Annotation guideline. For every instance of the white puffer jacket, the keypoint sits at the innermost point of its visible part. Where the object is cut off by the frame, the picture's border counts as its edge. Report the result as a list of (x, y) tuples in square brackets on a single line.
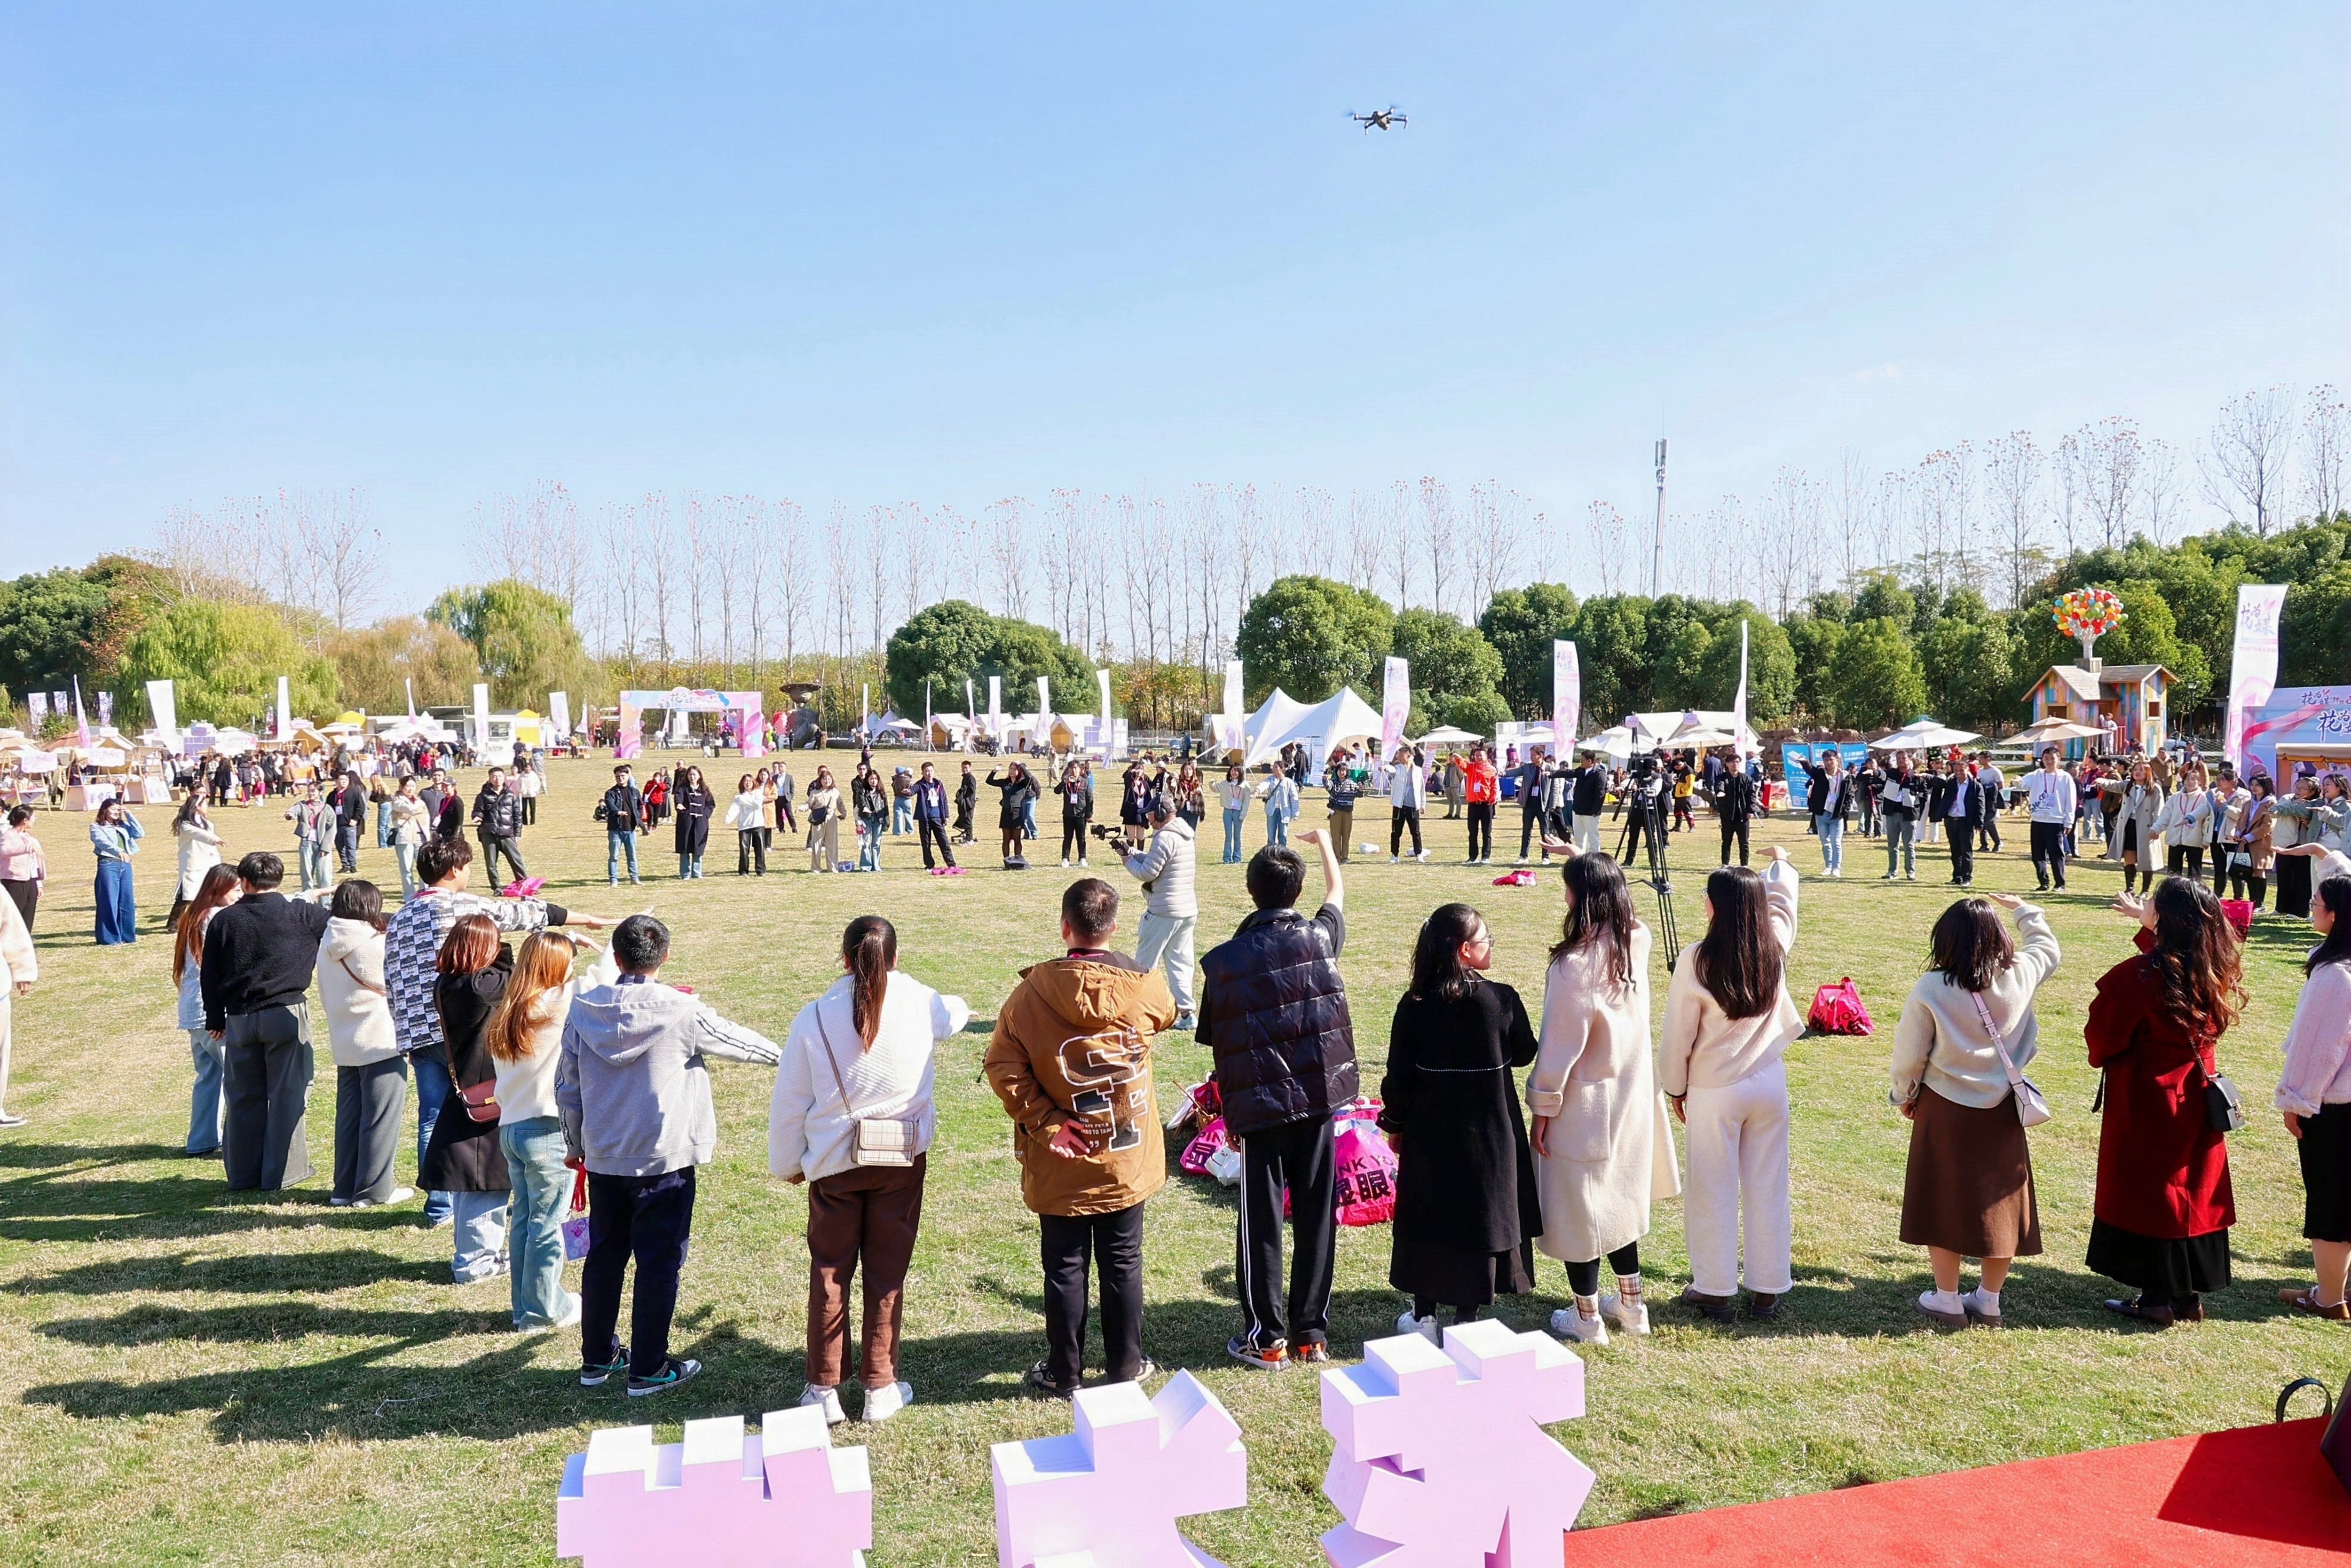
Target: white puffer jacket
[(360, 1032)]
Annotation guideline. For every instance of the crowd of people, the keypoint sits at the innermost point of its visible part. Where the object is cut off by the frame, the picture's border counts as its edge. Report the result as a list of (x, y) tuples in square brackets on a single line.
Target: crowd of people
[(554, 1066)]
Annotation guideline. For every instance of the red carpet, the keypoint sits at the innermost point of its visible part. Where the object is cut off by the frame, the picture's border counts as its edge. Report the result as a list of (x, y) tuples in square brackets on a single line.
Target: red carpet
[(2259, 1495)]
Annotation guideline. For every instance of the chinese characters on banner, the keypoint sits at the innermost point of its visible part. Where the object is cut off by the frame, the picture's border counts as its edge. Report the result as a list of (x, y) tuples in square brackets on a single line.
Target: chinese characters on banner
[(1566, 697), (1396, 703), (2253, 666)]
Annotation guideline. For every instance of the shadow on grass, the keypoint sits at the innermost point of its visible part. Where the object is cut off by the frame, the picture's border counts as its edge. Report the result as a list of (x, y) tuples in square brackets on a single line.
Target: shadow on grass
[(62, 1199), (248, 1274)]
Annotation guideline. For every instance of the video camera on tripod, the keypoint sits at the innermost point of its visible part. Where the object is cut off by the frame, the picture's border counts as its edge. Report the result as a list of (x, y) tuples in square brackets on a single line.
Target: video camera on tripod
[(1645, 823)]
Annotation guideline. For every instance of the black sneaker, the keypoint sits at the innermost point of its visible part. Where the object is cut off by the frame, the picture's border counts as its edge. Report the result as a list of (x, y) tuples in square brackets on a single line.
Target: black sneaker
[(1040, 1380), (593, 1373), (672, 1373)]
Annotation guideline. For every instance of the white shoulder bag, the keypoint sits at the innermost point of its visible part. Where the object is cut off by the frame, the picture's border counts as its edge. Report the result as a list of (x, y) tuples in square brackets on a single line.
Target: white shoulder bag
[(2031, 1109), (873, 1141)]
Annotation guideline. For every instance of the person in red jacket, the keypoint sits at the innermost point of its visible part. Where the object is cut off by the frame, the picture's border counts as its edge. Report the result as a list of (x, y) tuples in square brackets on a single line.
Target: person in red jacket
[(2164, 1205), (1479, 787)]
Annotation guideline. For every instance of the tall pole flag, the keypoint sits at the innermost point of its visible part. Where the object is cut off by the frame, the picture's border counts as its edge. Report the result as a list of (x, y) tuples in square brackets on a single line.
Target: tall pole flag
[(1738, 709), (2253, 666), (163, 706), (81, 719), (481, 711), (1229, 734), (1566, 697), (1396, 705), (286, 707), (1044, 712), (865, 709), (996, 707), (926, 713), (970, 708), (408, 684)]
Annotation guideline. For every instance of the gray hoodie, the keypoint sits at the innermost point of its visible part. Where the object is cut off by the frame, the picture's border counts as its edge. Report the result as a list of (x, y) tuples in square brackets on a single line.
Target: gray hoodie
[(1165, 868), (630, 1085)]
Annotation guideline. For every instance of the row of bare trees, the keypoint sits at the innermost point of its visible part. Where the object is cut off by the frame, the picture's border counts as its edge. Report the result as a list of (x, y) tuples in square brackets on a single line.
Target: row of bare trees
[(313, 550)]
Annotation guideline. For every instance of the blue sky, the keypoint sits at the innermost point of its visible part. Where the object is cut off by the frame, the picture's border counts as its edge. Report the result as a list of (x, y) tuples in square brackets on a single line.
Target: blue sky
[(949, 254)]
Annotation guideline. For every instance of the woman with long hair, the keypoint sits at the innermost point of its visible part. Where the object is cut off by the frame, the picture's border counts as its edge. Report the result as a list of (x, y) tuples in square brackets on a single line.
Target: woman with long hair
[(218, 889), (2186, 823), (695, 806), (1467, 1208), (409, 823), (199, 852), (371, 1074), (463, 1159), (824, 822), (2314, 1093), (114, 839), (1604, 1149), (1967, 1031), (852, 1117), (523, 1039), (872, 799), (1077, 792), (1020, 792), (1729, 1021), (2292, 827), (747, 813), (2132, 836), (1233, 798), (1191, 798), (23, 866), (2164, 1204), (2252, 848)]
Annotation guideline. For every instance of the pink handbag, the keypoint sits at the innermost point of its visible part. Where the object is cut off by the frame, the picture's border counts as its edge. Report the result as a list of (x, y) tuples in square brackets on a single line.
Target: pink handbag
[(1837, 1009)]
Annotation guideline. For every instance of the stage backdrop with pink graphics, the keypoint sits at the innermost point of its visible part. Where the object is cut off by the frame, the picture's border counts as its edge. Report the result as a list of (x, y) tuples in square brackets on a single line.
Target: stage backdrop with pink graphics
[(746, 726), (2310, 724)]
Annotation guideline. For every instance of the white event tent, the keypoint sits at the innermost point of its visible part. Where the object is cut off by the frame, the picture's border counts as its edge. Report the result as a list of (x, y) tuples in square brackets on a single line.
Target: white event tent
[(1282, 719)]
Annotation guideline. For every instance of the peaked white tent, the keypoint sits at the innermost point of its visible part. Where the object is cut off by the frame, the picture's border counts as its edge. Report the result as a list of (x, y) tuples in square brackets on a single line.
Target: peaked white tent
[(1283, 720)]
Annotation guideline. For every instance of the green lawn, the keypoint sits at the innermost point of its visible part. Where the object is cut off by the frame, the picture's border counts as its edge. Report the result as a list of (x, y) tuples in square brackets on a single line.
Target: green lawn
[(192, 1375)]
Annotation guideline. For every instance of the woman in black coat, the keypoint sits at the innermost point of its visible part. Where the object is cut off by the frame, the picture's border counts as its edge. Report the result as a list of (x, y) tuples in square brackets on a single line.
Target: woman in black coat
[(463, 1158), (1018, 789), (1467, 1209), (695, 804)]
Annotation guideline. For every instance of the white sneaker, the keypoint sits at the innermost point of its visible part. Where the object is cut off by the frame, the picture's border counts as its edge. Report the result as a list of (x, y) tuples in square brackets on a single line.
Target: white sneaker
[(1520, 861), (1569, 1324), (1632, 1320), (881, 1403), (1425, 1327), (1065, 862), (829, 1398), (1082, 861), (1393, 859), (1421, 856)]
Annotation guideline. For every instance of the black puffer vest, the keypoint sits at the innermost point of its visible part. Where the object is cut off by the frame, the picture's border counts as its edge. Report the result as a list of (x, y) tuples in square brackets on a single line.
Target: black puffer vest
[(1285, 1048)]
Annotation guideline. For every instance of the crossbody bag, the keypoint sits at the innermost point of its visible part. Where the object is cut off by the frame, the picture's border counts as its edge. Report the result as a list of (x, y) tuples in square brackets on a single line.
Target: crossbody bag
[(2032, 1109), (873, 1140)]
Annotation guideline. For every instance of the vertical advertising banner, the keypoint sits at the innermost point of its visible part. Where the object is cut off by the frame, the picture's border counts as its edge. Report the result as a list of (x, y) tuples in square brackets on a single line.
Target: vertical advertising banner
[(1566, 697), (1396, 705), (37, 705), (286, 707), (559, 713), (1044, 711), (481, 714), (1739, 708), (1229, 732), (105, 710), (996, 707), (163, 707), (2253, 667)]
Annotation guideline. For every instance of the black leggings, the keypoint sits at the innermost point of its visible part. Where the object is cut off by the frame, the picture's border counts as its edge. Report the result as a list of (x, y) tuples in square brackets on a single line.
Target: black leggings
[(2186, 859), (1583, 1278), (1073, 837), (1399, 819)]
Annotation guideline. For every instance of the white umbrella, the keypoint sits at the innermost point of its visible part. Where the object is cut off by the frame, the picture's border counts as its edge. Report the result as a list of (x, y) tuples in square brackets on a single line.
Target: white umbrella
[(1922, 735), (2056, 729), (1615, 741), (1446, 734)]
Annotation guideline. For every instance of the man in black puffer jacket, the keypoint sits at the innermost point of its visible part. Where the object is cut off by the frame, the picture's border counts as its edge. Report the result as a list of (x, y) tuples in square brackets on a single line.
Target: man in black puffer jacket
[(1274, 1015), (498, 818)]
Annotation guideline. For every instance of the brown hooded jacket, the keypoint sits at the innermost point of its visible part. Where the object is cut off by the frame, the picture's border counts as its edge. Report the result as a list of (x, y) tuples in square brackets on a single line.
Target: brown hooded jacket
[(1073, 1043)]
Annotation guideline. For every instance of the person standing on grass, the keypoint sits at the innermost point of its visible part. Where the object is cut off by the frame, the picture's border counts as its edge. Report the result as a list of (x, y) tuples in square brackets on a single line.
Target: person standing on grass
[(497, 818), (872, 803), (463, 1159), (1532, 775), (1232, 800), (1281, 797), (1407, 797), (260, 953), (22, 867), (1274, 1017), (967, 800), (1479, 787), (1466, 1208), (1969, 1190), (1171, 911), (20, 965), (525, 1041), (1076, 791), (824, 809), (2131, 835), (860, 1055), (2185, 822), (1734, 808), (1070, 1059), (412, 952), (199, 850), (785, 790), (1828, 797), (1902, 801), (633, 1094), (622, 813), (1963, 807), (2164, 1202), (1018, 791), (351, 802), (2251, 849), (931, 817), (1603, 1150), (370, 1075), (2051, 795), (218, 887), (1729, 1022), (2314, 1093), (1342, 790), (1587, 797), (691, 798), (747, 813)]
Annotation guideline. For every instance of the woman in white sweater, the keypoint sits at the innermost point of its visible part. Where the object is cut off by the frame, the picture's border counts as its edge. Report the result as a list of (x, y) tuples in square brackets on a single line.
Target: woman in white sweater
[(1969, 1190), (1603, 1150), (199, 845), (860, 1053), (371, 1074), (748, 815), (1728, 1023), (524, 1038), (2185, 823)]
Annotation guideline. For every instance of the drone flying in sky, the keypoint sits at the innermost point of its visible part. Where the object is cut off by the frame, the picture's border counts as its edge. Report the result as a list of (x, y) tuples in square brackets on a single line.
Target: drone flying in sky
[(1386, 118)]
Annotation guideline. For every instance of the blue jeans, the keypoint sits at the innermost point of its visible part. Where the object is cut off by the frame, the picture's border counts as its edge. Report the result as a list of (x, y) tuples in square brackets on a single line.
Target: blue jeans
[(902, 815), (869, 843), (1028, 819), (383, 824), (433, 1090), (1277, 828), (1831, 832), (542, 1192), (1233, 820), (617, 842), (688, 867), (479, 1243), (205, 1102)]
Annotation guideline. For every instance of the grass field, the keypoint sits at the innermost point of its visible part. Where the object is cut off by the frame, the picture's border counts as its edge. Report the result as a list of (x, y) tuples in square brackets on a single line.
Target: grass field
[(188, 1375)]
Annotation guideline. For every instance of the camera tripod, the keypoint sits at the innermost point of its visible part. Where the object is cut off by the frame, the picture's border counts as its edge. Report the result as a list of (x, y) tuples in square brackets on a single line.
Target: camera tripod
[(1645, 819)]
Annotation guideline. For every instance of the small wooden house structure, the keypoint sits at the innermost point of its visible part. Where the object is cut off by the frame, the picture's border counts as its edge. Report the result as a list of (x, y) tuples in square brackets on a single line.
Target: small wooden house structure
[(2130, 702)]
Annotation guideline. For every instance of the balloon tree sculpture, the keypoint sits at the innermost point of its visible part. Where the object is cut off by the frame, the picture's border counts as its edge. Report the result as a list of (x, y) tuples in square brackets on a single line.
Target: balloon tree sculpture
[(2085, 615)]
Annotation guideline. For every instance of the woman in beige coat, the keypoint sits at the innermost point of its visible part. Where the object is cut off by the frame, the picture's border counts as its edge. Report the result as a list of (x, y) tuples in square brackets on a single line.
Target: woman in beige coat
[(1604, 1149)]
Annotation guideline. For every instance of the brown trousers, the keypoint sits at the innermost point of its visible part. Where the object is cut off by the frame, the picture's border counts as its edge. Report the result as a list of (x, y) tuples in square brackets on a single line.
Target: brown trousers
[(869, 1213), (1342, 832)]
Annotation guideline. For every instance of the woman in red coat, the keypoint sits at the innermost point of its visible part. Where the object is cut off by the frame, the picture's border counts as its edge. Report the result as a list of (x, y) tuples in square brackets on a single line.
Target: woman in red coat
[(2164, 1207)]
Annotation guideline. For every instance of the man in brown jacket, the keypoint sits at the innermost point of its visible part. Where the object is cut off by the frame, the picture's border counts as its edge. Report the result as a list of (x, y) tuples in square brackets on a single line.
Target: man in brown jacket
[(1070, 1059)]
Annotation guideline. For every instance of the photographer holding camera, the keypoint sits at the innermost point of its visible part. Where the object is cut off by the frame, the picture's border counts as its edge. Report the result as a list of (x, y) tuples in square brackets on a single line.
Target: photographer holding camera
[(1171, 912)]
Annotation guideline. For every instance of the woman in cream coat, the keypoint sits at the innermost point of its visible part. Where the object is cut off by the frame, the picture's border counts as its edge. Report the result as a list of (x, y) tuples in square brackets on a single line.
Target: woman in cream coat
[(2186, 823), (2133, 837), (1729, 1021), (1604, 1149), (371, 1074)]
